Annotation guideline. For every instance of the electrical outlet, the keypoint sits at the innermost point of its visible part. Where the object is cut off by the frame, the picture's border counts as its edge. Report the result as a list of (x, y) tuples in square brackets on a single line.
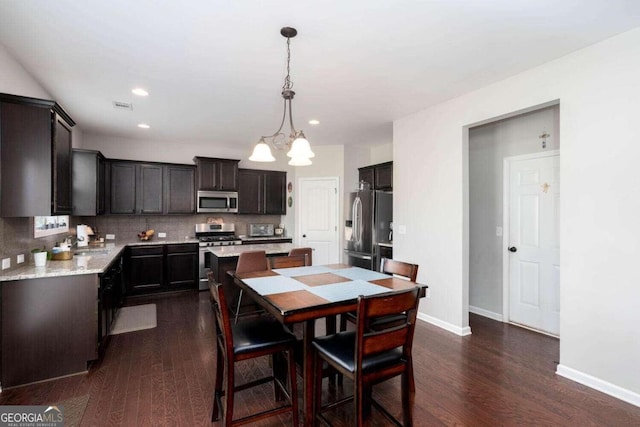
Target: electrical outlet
[(110, 237), (20, 259), (427, 293), (6, 263), (402, 229), (162, 235)]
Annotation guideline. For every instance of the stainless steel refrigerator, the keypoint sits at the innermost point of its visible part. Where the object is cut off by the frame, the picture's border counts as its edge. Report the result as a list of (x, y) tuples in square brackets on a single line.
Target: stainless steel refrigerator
[(369, 223)]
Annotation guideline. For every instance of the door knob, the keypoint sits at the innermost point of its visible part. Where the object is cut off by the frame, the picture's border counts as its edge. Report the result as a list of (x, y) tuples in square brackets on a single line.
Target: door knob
[(513, 249), (304, 235)]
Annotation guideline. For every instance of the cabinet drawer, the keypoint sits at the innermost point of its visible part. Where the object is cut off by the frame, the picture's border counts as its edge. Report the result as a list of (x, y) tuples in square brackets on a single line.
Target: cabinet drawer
[(182, 248), (146, 250)]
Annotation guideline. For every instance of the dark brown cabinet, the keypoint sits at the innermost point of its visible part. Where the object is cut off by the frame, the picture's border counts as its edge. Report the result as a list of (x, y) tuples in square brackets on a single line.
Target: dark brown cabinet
[(143, 269), (109, 301), (262, 192), (35, 158), (151, 188), (182, 266), (379, 177), (216, 174), (180, 189), (123, 188), (88, 180), (159, 268)]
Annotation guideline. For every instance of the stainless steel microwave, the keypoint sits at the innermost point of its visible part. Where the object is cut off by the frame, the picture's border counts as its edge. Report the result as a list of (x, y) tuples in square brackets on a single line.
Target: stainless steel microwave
[(217, 201)]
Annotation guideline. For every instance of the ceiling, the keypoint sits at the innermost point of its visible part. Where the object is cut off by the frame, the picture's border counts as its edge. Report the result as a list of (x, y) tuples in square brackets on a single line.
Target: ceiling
[(214, 69)]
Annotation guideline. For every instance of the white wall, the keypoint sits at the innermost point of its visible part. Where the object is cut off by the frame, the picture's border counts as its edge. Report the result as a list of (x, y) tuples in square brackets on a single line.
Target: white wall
[(489, 145), (15, 80), (599, 95)]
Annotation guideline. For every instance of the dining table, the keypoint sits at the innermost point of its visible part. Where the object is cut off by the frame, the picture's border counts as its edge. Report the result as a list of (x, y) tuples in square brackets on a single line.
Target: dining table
[(305, 294)]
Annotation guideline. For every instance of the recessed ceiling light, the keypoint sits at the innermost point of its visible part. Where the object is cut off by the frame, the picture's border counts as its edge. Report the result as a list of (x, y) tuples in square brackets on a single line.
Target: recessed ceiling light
[(143, 126), (139, 91), (314, 122)]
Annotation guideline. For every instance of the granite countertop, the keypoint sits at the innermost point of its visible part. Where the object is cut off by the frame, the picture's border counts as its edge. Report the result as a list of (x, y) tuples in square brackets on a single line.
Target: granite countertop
[(92, 259), (236, 250)]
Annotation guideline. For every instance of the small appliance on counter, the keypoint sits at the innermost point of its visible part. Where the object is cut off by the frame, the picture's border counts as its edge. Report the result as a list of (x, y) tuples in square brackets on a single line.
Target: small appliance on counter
[(82, 235), (261, 230)]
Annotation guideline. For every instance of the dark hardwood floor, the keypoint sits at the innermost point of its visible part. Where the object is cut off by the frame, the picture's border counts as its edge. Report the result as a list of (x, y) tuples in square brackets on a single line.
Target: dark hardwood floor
[(500, 375)]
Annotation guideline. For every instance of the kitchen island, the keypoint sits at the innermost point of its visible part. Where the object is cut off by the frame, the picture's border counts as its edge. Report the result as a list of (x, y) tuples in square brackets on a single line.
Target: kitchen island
[(222, 259)]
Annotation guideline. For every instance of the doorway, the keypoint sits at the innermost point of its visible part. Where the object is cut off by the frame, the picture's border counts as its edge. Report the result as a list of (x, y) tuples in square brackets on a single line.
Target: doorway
[(489, 144), (317, 213), (531, 263)]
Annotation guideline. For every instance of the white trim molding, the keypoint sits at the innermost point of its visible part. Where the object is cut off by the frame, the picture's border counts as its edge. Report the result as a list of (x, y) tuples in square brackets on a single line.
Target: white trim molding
[(445, 325), (485, 313), (600, 385)]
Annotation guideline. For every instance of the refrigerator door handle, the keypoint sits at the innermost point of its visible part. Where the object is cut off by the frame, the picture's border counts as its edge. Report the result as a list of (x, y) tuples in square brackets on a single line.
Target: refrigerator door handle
[(356, 212), (351, 254)]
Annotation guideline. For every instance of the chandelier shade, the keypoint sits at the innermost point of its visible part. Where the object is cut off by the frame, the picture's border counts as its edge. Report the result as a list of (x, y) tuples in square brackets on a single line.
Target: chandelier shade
[(262, 153), (298, 145)]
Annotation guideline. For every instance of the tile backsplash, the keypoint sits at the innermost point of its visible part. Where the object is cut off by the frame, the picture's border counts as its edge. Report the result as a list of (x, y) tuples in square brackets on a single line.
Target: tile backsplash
[(16, 234), (127, 227)]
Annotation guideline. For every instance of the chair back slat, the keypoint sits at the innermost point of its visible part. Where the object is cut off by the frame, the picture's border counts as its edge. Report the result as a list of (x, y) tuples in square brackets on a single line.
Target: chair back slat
[(251, 261), (378, 342), (388, 303), (288, 261), (303, 251), (399, 268)]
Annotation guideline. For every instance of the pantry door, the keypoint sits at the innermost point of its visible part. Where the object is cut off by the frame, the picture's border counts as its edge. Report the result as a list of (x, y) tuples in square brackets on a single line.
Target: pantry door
[(532, 245)]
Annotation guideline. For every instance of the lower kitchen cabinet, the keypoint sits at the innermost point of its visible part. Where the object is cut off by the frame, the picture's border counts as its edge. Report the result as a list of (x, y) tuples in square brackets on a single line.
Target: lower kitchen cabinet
[(110, 294), (48, 327), (182, 266), (159, 268)]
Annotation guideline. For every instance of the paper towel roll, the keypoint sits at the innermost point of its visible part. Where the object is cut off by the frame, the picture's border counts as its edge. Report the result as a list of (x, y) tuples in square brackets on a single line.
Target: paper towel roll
[(82, 235)]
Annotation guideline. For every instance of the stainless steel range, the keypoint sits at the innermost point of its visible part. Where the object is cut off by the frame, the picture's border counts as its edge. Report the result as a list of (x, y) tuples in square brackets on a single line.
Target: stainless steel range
[(212, 235)]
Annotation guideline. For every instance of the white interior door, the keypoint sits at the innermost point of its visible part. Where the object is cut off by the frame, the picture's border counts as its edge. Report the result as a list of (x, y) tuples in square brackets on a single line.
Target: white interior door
[(534, 249), (318, 218)]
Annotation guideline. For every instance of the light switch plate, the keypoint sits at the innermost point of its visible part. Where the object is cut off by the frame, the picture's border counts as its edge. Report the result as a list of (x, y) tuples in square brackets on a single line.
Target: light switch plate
[(6, 263), (498, 231), (20, 259), (162, 235), (110, 237)]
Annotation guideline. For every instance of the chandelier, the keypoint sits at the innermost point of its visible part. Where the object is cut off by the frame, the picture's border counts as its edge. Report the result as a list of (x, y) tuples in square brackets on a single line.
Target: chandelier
[(299, 149)]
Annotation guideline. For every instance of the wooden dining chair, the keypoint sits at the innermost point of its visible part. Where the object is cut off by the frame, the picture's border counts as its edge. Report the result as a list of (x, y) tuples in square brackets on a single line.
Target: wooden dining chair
[(262, 336), (288, 261), (370, 356), (397, 268), (303, 251), (249, 262), (393, 267)]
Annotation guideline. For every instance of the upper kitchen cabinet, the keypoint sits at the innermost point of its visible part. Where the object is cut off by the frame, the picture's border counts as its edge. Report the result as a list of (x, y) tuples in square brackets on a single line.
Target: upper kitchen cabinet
[(379, 177), (180, 191), (136, 188), (261, 192), (35, 157), (89, 180), (216, 174), (144, 188)]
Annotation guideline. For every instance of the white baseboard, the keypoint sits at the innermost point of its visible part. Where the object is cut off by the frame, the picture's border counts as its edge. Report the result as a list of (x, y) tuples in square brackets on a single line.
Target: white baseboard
[(486, 313), (600, 385), (445, 325)]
